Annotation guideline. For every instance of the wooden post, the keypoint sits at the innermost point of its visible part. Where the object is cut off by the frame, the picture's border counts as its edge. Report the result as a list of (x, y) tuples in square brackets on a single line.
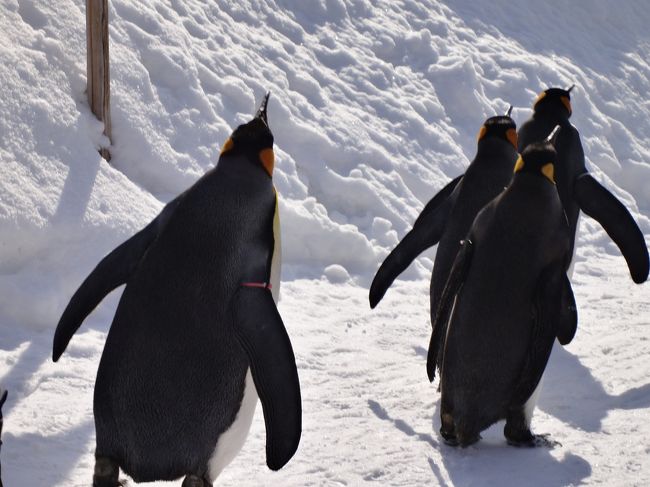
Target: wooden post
[(99, 93)]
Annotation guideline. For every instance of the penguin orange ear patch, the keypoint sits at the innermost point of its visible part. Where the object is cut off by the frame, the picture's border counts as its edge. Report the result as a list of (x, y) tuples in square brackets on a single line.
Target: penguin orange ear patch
[(482, 132), (539, 98), (519, 165), (227, 146), (567, 103), (549, 171), (267, 158), (511, 135)]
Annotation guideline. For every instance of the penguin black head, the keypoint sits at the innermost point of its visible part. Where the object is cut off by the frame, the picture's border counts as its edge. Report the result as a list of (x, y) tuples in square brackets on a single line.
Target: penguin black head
[(253, 139), (554, 100), (538, 158), (501, 127)]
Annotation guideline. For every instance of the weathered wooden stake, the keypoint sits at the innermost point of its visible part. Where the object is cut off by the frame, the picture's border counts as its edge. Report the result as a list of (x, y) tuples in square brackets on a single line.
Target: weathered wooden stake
[(99, 93)]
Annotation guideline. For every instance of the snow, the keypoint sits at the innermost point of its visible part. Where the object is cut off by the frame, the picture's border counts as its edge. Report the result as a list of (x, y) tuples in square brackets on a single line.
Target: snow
[(375, 105)]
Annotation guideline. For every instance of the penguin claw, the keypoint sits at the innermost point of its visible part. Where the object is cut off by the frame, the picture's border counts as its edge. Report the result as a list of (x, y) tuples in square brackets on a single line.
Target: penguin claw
[(451, 441), (535, 441)]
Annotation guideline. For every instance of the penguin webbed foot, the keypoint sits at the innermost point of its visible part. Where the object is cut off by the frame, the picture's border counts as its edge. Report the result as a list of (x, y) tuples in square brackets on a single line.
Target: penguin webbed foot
[(106, 473), (195, 481), (451, 438), (530, 440)]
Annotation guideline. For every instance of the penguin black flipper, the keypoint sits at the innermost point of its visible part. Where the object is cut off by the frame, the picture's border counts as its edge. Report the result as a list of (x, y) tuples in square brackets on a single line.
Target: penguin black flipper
[(455, 281), (548, 292), (568, 319), (606, 209), (261, 333), (113, 271), (426, 232)]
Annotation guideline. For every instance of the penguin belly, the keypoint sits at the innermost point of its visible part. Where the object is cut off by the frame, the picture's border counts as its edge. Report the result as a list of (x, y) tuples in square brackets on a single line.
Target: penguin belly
[(232, 440), (276, 260)]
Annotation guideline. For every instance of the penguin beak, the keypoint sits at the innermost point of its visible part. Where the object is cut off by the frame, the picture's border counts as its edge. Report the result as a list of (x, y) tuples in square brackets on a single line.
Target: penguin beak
[(261, 112)]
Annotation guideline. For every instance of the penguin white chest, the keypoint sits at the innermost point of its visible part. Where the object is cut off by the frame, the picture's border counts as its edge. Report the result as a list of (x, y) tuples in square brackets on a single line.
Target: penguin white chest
[(276, 261), (232, 440)]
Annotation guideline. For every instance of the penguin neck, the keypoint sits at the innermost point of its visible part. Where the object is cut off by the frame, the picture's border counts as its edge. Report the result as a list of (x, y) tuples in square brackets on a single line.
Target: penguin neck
[(241, 166), (535, 178), (494, 146), (552, 116)]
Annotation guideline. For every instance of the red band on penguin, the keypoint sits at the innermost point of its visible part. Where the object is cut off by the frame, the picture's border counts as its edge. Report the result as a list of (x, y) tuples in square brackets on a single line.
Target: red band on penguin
[(265, 285)]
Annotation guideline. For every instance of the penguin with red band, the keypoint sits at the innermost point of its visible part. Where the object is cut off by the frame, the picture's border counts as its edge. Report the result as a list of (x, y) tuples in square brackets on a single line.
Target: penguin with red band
[(196, 337), (577, 188), (502, 302), (446, 219)]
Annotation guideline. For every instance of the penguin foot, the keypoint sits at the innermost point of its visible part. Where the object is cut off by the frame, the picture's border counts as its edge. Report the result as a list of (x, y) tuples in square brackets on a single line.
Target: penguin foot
[(466, 441), (106, 473), (534, 441), (195, 481), (447, 430), (449, 438)]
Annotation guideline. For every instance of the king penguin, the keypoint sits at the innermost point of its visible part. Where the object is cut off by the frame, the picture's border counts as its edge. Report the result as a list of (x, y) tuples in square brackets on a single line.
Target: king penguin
[(446, 219), (196, 337), (577, 188), (502, 302)]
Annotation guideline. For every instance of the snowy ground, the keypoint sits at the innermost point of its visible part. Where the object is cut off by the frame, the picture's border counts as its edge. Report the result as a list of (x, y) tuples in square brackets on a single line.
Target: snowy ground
[(375, 106)]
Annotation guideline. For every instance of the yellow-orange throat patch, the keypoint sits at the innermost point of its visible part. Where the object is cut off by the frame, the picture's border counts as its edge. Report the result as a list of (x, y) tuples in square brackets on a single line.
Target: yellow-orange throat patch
[(519, 165), (267, 158), (482, 132), (549, 171), (229, 144)]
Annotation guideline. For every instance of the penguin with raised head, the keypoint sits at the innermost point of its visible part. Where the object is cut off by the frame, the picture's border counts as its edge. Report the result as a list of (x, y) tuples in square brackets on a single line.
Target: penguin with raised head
[(446, 219), (196, 337), (577, 188), (503, 304)]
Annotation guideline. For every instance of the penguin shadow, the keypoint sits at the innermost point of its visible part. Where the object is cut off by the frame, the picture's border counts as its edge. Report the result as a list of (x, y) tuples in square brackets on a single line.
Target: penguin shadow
[(62, 452), (491, 461), (400, 424), (495, 463), (35, 459), (573, 395), (16, 379), (421, 351)]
